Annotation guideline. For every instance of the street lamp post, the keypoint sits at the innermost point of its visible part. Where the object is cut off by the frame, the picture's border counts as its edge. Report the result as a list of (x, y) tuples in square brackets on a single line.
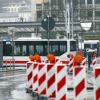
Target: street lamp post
[(11, 31), (86, 26), (48, 32)]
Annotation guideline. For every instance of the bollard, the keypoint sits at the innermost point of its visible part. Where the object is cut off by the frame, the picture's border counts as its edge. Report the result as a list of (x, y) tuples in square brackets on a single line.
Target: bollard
[(6, 64), (10, 63)]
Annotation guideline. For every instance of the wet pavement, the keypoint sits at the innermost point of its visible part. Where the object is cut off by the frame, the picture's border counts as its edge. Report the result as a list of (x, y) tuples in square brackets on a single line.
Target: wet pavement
[(12, 86), (13, 83)]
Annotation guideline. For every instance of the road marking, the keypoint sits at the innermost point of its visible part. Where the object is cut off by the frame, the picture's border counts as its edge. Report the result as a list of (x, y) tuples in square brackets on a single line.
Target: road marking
[(12, 76), (4, 84)]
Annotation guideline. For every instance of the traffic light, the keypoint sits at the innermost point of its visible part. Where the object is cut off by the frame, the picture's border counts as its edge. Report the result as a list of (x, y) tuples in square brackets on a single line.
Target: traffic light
[(48, 23)]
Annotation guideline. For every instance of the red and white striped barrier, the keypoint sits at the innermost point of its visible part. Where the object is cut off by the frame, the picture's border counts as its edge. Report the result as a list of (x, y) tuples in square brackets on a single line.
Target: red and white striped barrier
[(51, 86), (42, 79), (29, 68), (94, 61), (97, 83), (79, 76), (61, 85), (35, 77), (65, 61), (70, 64), (84, 61)]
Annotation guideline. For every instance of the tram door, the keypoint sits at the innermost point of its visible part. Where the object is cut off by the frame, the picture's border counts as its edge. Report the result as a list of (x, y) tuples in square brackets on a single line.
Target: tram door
[(1, 54)]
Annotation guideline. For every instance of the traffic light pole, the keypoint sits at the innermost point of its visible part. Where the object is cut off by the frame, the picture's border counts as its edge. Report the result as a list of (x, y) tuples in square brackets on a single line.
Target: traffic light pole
[(48, 24), (48, 32), (48, 42)]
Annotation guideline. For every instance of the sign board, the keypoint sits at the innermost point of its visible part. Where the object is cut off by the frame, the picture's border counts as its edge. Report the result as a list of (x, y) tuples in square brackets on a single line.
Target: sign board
[(7, 39), (91, 37)]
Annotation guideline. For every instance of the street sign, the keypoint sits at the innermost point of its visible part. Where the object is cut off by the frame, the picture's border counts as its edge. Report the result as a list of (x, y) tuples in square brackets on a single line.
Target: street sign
[(91, 37), (7, 39)]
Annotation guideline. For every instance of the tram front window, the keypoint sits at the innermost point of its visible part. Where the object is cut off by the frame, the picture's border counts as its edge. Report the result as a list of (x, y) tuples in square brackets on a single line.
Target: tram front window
[(93, 46), (87, 46), (63, 49), (72, 45)]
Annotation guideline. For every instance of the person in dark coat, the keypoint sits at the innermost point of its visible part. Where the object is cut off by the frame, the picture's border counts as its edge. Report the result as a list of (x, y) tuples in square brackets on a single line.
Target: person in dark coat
[(89, 59)]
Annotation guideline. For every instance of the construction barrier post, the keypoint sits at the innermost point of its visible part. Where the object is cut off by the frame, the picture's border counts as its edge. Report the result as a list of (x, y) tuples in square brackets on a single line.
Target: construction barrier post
[(29, 69), (42, 82), (35, 78), (79, 77), (61, 82), (70, 65), (97, 83), (51, 86), (94, 60), (84, 61)]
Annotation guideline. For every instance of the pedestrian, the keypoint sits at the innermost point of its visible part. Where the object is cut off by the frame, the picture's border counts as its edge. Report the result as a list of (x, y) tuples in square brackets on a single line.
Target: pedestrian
[(89, 59)]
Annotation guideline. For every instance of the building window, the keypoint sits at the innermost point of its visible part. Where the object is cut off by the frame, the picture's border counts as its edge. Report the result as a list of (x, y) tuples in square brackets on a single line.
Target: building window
[(97, 26), (97, 13), (89, 1), (83, 14), (82, 1), (97, 1), (89, 14)]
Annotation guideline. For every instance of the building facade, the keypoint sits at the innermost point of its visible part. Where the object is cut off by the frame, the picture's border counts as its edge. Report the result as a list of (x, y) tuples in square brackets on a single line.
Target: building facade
[(18, 12), (88, 11), (80, 11)]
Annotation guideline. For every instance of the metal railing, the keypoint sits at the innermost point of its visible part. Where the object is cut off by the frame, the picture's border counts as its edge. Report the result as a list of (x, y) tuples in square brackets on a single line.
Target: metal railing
[(9, 63)]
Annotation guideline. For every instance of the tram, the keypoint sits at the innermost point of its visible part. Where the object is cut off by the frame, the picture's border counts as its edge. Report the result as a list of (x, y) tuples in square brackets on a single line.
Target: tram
[(19, 50), (88, 44)]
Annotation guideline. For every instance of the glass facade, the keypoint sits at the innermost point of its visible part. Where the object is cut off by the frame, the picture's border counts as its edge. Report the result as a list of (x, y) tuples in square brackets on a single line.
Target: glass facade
[(83, 10), (97, 1), (54, 8), (87, 10)]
